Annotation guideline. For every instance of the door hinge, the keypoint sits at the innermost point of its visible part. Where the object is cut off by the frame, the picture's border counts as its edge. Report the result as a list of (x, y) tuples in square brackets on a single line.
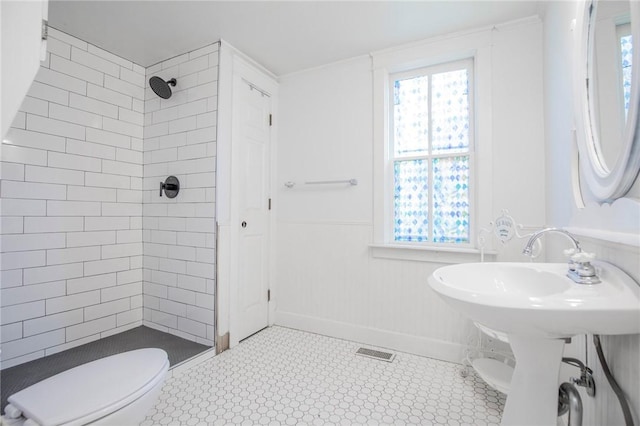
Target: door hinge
[(268, 295), (269, 203), (44, 34), (270, 120)]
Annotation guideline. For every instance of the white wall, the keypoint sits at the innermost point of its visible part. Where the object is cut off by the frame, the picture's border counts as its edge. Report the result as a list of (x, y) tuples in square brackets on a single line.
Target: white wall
[(326, 277), (72, 203), (179, 233), (622, 352)]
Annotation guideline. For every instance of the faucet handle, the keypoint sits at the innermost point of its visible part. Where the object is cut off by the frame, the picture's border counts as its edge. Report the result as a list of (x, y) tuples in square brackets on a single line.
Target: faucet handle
[(583, 269), (583, 257), (569, 253)]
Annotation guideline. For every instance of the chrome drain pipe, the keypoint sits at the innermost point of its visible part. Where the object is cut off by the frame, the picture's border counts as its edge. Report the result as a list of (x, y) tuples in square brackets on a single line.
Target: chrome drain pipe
[(569, 400)]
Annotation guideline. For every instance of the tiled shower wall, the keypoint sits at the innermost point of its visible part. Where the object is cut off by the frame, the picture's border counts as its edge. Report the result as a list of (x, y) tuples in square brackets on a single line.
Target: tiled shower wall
[(72, 203), (179, 234)]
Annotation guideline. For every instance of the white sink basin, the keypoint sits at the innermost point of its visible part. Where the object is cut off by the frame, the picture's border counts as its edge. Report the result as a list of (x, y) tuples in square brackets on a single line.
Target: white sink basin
[(536, 306), (537, 299)]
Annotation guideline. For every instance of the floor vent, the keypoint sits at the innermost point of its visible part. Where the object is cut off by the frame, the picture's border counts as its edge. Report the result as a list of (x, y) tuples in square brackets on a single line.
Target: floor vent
[(382, 356)]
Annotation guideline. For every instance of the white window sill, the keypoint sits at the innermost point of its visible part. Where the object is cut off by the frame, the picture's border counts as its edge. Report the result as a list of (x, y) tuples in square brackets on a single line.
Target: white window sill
[(430, 253)]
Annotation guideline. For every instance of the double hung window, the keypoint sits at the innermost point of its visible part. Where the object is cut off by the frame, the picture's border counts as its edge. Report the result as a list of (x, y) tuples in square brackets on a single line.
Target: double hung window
[(431, 144)]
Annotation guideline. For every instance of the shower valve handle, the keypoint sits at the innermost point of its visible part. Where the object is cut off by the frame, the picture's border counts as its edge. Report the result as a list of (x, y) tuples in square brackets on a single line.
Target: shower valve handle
[(171, 187), (167, 187)]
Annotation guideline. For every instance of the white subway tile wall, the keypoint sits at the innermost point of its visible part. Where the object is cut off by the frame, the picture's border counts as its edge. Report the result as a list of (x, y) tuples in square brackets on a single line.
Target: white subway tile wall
[(81, 215), (179, 234), (72, 204)]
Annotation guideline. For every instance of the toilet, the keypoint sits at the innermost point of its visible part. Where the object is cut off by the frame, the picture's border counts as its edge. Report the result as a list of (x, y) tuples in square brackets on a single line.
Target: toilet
[(116, 390)]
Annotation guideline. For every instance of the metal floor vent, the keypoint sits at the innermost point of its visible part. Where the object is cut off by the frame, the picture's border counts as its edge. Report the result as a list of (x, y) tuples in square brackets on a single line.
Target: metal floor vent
[(379, 355)]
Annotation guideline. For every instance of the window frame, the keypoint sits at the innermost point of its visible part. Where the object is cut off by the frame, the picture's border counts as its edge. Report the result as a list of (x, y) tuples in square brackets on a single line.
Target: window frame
[(431, 70), (476, 46)]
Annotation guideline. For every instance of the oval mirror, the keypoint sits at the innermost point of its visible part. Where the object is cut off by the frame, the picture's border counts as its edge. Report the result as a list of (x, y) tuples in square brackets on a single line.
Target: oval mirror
[(607, 95)]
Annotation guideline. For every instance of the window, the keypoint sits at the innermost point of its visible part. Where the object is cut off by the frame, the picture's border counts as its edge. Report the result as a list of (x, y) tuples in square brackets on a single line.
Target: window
[(431, 154), (437, 144), (626, 52)]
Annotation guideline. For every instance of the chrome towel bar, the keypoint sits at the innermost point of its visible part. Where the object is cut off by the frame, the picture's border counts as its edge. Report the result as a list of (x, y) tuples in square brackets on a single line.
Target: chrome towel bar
[(351, 182)]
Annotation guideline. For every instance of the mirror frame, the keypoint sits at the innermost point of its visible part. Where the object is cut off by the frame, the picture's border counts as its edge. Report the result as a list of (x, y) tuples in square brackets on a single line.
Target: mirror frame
[(605, 185)]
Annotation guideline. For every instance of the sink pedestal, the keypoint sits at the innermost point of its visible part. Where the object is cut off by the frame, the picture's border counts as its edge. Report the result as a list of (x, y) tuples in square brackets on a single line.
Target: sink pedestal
[(533, 394)]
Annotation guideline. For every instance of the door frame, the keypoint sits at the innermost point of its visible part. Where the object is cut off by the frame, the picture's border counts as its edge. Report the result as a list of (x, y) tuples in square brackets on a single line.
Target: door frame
[(234, 65)]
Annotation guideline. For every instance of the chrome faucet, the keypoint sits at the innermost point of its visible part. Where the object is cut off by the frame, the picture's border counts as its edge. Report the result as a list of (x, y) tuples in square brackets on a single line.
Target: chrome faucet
[(580, 269), (529, 247)]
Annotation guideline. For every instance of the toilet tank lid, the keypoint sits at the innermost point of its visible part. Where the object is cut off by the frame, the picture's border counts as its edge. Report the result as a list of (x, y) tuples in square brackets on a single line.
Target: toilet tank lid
[(98, 387)]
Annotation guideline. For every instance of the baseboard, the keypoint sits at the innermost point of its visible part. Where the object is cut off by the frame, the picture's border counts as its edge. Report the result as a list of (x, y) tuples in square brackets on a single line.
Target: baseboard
[(417, 345)]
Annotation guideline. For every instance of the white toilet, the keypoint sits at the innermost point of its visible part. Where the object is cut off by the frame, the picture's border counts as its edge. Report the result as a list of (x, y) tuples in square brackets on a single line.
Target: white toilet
[(117, 390)]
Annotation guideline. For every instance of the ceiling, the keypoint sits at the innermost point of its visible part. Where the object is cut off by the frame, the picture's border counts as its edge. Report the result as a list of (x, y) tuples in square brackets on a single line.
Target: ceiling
[(283, 36)]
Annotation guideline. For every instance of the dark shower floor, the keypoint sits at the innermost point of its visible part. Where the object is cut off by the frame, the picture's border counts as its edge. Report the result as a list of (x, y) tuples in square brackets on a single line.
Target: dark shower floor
[(16, 378)]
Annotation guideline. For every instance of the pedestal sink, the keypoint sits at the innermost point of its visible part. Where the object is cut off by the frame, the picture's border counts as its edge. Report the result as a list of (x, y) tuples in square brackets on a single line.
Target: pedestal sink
[(537, 306)]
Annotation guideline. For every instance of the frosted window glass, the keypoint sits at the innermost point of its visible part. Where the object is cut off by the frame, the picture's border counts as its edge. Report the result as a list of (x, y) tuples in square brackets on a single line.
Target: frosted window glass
[(451, 200), (450, 112), (411, 116), (626, 49), (411, 200)]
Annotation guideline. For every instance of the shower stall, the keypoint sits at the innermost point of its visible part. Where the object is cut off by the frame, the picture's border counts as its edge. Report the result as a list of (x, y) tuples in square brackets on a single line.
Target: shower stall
[(94, 260)]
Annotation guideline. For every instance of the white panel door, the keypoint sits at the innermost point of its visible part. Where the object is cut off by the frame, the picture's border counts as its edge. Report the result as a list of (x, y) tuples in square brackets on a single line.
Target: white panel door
[(253, 109)]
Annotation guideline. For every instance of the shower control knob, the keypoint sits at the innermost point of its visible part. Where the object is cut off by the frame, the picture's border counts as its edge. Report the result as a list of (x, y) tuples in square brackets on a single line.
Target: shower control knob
[(244, 224), (171, 187)]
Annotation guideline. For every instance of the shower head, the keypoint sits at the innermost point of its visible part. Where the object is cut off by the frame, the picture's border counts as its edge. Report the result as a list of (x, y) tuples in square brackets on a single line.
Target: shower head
[(161, 87)]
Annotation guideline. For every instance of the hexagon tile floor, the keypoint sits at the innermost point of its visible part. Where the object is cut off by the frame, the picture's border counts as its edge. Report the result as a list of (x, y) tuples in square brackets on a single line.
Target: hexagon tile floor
[(282, 376)]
